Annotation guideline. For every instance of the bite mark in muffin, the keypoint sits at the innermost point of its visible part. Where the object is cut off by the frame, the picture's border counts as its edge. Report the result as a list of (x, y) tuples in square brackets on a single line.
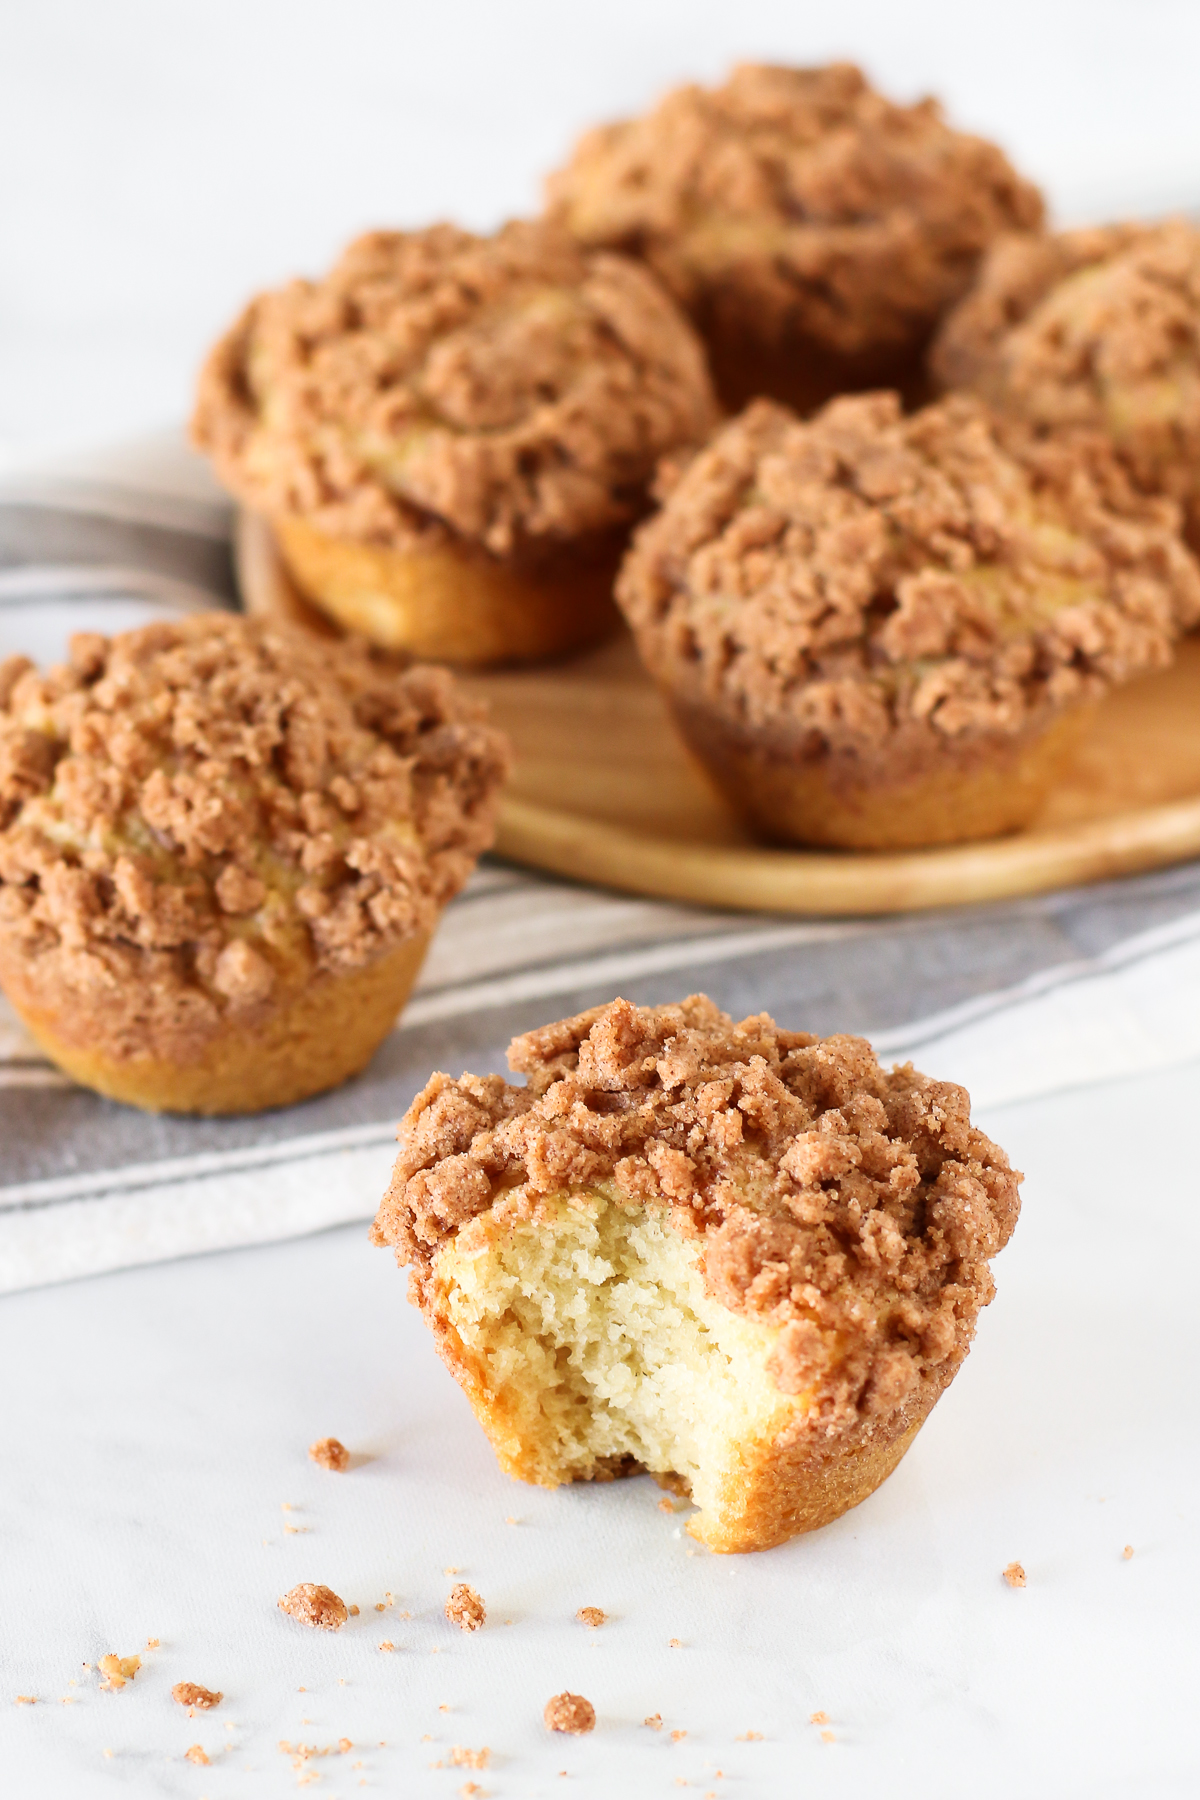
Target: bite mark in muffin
[(747, 1257)]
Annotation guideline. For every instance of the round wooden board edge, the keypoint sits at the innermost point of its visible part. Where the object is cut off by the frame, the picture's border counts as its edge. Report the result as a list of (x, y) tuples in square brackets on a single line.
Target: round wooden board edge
[(781, 881)]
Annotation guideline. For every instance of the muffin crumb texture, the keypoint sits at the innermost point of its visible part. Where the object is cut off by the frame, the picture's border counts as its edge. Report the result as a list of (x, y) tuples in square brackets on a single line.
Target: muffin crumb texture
[(464, 1608), (117, 1670), (1014, 1574), (512, 392), (569, 1712), (685, 1235), (198, 1755), (591, 1616), (838, 582), (330, 1453), (1098, 327), (312, 1603), (797, 200), (196, 817), (190, 1693)]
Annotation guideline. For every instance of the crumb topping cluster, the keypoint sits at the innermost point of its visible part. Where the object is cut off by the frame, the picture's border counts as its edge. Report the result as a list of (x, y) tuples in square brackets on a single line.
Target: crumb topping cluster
[(797, 199), (512, 391), (840, 578), (1096, 327), (312, 1603), (193, 814), (853, 1208)]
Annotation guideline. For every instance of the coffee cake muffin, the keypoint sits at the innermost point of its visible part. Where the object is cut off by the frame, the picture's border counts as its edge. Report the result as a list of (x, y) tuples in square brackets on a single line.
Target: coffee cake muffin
[(747, 1260), (1098, 327), (814, 230), (223, 848), (453, 434), (880, 631)]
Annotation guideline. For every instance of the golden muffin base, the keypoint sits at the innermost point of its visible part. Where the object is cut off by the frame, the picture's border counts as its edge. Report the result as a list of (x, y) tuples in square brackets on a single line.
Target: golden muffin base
[(456, 605), (950, 796), (314, 1038)]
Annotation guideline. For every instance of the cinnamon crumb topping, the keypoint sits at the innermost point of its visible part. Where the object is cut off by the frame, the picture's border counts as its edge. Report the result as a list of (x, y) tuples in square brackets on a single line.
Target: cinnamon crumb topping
[(190, 1693), (854, 1208), (1014, 1574), (797, 200), (331, 1454), (117, 1670), (196, 1754), (511, 392), (1100, 328), (1127, 1552), (312, 1603), (464, 1608), (654, 1721), (847, 580), (195, 815), (462, 1758), (591, 1616), (569, 1712)]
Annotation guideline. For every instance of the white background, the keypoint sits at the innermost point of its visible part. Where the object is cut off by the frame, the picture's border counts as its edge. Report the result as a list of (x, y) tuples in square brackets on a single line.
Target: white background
[(161, 159)]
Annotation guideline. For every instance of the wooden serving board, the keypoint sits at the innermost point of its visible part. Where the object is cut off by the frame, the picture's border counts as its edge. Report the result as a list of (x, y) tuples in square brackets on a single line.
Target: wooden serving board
[(604, 791)]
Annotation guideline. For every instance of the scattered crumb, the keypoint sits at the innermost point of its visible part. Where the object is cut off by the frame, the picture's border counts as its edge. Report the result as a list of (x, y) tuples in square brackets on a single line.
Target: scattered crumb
[(381, 1606), (677, 1736), (654, 1721), (677, 1643), (152, 1643), (190, 1693), (26, 1700), (818, 1718), (569, 1712), (591, 1616), (344, 1745), (750, 1737), (311, 1603), (664, 1505), (462, 1758), (1014, 1575), (511, 1521), (352, 1611), (117, 1670), (468, 1788), (451, 1569), (827, 1737), (387, 1644), (196, 1754), (107, 1753), (464, 1608), (442, 1707), (1127, 1552), (331, 1454)]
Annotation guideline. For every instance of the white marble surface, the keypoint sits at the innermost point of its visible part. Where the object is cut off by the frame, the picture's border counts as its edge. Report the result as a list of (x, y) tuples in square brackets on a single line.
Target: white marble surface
[(162, 162), (154, 1422)]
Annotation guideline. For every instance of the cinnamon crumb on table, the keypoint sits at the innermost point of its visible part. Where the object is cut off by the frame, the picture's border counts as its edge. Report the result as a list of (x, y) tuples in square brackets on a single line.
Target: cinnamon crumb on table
[(190, 1693), (1127, 1552), (464, 1608), (591, 1616), (196, 1754), (117, 1670), (331, 1453), (462, 1758), (312, 1603), (569, 1712), (654, 1721), (1014, 1574)]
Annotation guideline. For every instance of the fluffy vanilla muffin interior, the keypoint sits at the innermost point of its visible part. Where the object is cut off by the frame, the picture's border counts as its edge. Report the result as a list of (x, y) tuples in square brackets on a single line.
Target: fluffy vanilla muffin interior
[(603, 1347)]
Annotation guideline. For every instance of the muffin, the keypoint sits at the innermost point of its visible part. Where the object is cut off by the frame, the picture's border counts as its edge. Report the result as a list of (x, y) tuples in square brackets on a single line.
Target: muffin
[(814, 230), (452, 435), (1098, 328), (223, 848), (880, 631), (745, 1259)]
